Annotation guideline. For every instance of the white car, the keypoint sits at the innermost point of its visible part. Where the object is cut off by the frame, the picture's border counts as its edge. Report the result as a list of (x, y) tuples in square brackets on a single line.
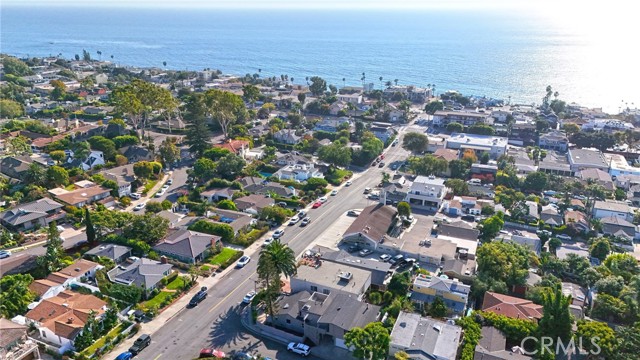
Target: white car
[(334, 193), (294, 220), (135, 196), (247, 298), (385, 257), (299, 348), (278, 234), (170, 182), (267, 242), (139, 207), (243, 261), (348, 183), (323, 199), (165, 187), (159, 193), (4, 254)]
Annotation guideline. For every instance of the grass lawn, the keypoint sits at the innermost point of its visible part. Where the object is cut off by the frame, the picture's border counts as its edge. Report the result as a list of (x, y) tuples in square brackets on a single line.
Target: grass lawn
[(223, 256), (149, 185), (176, 284), (158, 299), (100, 343), (337, 175)]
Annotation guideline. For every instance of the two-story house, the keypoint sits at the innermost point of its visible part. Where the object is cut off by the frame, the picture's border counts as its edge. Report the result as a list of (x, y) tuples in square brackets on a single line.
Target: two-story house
[(74, 274), (427, 192), (287, 136), (26, 216), (331, 277), (454, 294), (140, 272), (371, 227), (554, 140)]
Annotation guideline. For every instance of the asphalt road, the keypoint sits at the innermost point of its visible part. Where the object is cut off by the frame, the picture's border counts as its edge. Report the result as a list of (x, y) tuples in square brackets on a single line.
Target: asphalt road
[(216, 321)]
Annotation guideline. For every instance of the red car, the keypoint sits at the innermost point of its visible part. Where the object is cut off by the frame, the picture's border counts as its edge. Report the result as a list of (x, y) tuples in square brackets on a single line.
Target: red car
[(207, 353), (317, 204), (382, 157)]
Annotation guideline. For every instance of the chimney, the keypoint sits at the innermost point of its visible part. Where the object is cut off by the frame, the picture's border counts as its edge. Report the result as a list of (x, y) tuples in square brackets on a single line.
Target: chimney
[(164, 260), (70, 320)]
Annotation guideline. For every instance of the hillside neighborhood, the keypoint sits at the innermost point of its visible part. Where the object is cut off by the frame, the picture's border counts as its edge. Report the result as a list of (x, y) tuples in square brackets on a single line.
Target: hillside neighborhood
[(193, 214)]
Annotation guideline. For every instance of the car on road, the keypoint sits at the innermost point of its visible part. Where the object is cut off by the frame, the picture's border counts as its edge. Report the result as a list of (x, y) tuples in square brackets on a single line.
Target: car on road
[(294, 220), (302, 214), (243, 262), (381, 164), (267, 242), (125, 356), (139, 207), (243, 356), (364, 252), (142, 342), (564, 237), (170, 182), (5, 254), (209, 353), (316, 204), (323, 199), (334, 192), (352, 213), (159, 193), (299, 348), (348, 183), (396, 260), (135, 196), (278, 234), (305, 221), (165, 187), (282, 204), (247, 298), (198, 297), (385, 257)]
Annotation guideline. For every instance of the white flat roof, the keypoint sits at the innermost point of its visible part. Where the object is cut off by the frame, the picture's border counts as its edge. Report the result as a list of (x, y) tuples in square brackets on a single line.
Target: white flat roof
[(478, 140)]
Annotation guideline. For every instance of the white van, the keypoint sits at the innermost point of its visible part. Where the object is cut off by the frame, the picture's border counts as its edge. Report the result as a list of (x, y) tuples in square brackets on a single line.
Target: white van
[(474, 182)]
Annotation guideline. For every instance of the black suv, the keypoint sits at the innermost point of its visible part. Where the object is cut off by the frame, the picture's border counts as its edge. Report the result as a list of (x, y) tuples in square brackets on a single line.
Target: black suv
[(142, 342), (198, 297)]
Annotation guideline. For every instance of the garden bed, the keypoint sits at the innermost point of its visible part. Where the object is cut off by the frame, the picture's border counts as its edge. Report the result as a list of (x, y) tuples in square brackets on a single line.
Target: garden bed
[(103, 340)]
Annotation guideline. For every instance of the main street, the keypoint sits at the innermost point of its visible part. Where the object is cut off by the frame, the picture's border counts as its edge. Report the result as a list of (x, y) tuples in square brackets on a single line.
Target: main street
[(216, 321)]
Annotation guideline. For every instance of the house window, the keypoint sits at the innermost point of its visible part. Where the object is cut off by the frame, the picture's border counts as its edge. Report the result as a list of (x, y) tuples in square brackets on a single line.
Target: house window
[(288, 321), (314, 288), (44, 334), (326, 291)]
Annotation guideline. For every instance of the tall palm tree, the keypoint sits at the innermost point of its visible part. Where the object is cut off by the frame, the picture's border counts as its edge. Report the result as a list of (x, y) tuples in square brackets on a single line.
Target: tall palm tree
[(344, 82), (380, 82), (276, 260), (395, 81)]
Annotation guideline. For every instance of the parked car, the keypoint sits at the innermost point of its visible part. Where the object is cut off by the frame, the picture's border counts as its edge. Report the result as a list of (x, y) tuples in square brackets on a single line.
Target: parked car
[(247, 298), (278, 234), (135, 196), (394, 166), (564, 237), (334, 192), (125, 356), (267, 242), (159, 193), (170, 182), (165, 187), (208, 353), (323, 199), (381, 164), (352, 213), (4, 254), (142, 342), (243, 356), (367, 190), (139, 207), (302, 214), (348, 183), (316, 204), (353, 248), (282, 204), (299, 348), (385, 257), (396, 260), (305, 221), (365, 252), (198, 297), (243, 262), (294, 220)]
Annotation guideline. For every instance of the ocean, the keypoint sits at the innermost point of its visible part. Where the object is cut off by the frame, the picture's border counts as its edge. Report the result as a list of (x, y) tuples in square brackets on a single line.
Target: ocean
[(494, 54)]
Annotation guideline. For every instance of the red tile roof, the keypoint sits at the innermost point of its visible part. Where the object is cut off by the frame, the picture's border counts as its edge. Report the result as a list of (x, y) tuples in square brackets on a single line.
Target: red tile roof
[(510, 306), (234, 145)]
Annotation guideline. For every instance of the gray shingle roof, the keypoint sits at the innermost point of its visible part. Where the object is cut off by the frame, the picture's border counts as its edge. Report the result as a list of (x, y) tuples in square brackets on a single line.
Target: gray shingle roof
[(142, 272), (27, 212), (186, 243), (110, 251)]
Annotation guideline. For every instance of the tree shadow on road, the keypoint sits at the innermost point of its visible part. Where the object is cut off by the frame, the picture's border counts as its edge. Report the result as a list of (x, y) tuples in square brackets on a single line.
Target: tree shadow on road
[(227, 330)]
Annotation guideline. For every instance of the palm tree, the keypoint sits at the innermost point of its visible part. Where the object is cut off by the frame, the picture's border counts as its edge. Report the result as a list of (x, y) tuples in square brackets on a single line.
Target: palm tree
[(276, 260), (380, 82), (363, 80), (395, 81), (344, 82), (164, 63), (99, 54)]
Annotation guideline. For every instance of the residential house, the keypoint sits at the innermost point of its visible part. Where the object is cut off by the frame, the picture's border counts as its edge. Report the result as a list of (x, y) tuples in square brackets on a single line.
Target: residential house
[(554, 140), (603, 209), (338, 108), (396, 191), (633, 195), (581, 298), (15, 167), (524, 238), (292, 159), (61, 318), (580, 159), (427, 192), (494, 145), (424, 338), (627, 181), (187, 246), (81, 196), (577, 220), (116, 253), (460, 233), (332, 125), (382, 132), (448, 155), (15, 343), (454, 294), (253, 203), (298, 172), (27, 216), (324, 318), (140, 272), (40, 144), (123, 176), (215, 195), (237, 147), (466, 118), (379, 270), (551, 216), (510, 306), (355, 99), (461, 205), (331, 277), (411, 93), (261, 186), (372, 226), (287, 136), (608, 125), (531, 213), (461, 267), (618, 165), (136, 153), (94, 159), (237, 220), (493, 344), (56, 282), (620, 227), (597, 176)]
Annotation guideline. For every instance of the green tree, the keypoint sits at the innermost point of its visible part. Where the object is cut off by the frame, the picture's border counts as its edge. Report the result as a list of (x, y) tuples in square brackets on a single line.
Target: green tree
[(273, 213), (216, 153), (455, 127), (153, 207), (624, 265), (229, 166), (57, 176), (370, 342), (400, 283), (458, 186), (459, 169), (491, 226), (198, 137), (556, 318), (250, 93), (481, 129), (84, 339), (318, 86), (148, 228), (15, 294), (58, 156), (276, 260), (225, 231), (554, 244), (609, 308), (17, 145), (204, 169), (600, 248), (628, 342), (535, 181), (427, 165), (415, 142), (611, 285), (227, 205), (10, 109), (89, 229), (504, 261), (125, 140), (404, 209), (434, 106), (437, 308), (51, 261), (15, 66), (105, 145), (225, 108), (335, 154), (571, 129), (35, 175)]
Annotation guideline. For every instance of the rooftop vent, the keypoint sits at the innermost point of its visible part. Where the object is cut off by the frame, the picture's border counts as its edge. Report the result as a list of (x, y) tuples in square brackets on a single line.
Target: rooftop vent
[(346, 276)]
